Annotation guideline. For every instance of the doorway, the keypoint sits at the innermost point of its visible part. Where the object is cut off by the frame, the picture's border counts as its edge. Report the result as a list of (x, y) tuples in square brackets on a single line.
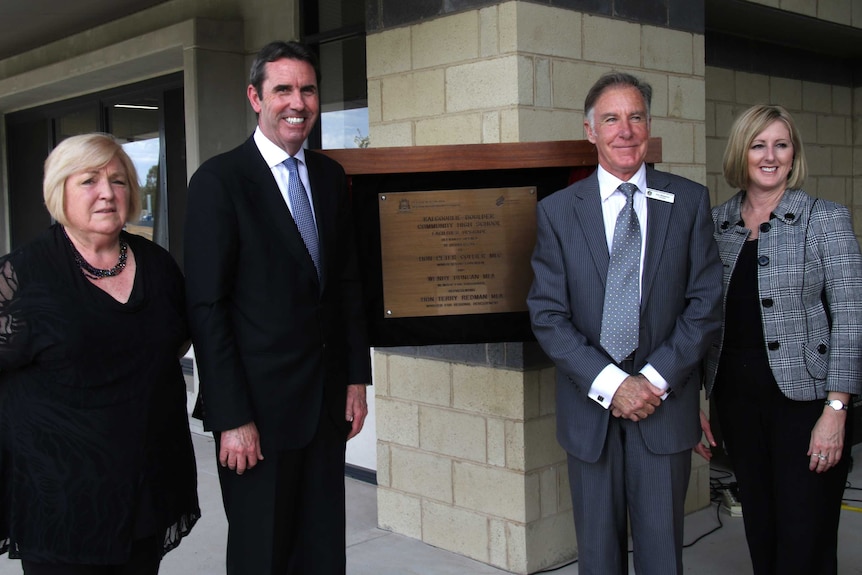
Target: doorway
[(147, 118)]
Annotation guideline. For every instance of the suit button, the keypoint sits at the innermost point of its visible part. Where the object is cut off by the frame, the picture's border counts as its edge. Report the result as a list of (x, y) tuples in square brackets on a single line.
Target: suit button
[(821, 349), (773, 345), (765, 227), (767, 302), (763, 261)]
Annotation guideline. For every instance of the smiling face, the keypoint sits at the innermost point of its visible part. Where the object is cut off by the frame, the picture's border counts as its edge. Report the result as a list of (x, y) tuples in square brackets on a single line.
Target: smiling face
[(770, 158), (97, 201), (620, 130), (288, 105)]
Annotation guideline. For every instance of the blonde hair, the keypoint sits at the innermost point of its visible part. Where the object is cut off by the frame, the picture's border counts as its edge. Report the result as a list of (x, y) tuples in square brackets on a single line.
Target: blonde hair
[(743, 132), (80, 154)]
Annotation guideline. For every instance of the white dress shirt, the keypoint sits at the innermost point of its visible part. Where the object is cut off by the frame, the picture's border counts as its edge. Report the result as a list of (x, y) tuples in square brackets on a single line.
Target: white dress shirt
[(611, 377)]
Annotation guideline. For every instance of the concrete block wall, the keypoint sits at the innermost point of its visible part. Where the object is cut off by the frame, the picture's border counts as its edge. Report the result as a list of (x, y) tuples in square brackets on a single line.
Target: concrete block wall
[(468, 461), (826, 115), (501, 74)]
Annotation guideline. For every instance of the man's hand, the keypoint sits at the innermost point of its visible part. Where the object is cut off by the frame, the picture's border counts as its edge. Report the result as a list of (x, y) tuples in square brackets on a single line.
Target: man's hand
[(636, 398), (240, 448), (356, 410)]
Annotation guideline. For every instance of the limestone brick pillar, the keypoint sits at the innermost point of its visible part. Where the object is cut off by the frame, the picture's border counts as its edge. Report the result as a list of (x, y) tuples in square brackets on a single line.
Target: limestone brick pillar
[(467, 458)]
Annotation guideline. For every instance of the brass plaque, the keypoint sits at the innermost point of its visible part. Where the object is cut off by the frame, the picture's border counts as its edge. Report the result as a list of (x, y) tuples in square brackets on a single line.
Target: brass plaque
[(457, 252)]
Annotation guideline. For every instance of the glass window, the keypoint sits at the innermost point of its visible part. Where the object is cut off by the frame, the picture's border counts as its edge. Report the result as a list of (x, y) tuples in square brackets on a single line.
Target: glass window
[(147, 118), (343, 93), (336, 29), (135, 122)]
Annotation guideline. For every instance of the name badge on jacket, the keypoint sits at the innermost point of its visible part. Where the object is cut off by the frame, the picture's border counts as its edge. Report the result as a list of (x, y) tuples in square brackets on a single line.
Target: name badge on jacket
[(660, 195)]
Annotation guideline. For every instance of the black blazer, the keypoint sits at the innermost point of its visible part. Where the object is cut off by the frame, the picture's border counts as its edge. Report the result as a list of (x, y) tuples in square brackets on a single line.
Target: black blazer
[(272, 342)]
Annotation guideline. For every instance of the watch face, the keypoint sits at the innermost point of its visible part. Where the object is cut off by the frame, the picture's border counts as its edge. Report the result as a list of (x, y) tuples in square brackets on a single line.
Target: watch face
[(836, 404)]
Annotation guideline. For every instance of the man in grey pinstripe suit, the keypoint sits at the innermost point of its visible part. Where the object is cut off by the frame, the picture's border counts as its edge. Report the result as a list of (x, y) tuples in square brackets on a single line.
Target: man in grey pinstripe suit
[(629, 426)]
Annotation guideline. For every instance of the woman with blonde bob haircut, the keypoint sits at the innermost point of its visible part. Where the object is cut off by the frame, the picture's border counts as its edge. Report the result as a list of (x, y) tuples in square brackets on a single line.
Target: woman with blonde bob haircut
[(790, 354), (97, 470), (749, 124), (78, 153)]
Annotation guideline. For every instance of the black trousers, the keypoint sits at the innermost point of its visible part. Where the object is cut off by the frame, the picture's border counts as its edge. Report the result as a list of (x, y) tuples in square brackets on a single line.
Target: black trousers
[(144, 560), (286, 515), (790, 513)]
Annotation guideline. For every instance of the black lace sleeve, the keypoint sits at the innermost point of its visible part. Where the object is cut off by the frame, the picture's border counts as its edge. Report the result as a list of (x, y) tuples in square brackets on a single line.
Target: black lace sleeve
[(10, 323)]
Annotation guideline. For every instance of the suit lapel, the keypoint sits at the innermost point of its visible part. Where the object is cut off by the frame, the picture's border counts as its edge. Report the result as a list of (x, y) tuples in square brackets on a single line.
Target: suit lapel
[(658, 219), (317, 178), (274, 209), (588, 211)]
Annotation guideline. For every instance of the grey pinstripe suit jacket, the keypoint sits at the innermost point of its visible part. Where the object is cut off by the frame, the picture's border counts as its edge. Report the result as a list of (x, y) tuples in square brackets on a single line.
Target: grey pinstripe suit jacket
[(680, 308), (810, 254)]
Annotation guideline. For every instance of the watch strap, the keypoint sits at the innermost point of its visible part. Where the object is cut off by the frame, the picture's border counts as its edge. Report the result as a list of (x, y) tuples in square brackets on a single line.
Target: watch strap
[(836, 404)]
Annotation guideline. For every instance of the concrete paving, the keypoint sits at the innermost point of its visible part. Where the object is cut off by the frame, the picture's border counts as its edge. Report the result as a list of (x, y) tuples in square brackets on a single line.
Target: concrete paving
[(373, 551)]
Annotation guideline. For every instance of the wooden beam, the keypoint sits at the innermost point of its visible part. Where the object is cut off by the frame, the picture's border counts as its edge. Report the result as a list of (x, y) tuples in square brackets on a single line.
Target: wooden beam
[(467, 157)]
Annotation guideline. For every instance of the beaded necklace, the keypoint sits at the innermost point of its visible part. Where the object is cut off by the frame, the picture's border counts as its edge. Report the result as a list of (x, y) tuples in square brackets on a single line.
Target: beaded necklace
[(94, 273)]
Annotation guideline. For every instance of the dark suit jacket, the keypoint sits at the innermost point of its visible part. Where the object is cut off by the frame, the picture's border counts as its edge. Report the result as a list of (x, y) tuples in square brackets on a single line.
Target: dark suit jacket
[(680, 308), (273, 344)]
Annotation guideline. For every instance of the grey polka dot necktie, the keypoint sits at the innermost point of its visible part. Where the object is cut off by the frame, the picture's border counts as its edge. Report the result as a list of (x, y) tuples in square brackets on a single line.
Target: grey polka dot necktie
[(621, 312), (302, 214)]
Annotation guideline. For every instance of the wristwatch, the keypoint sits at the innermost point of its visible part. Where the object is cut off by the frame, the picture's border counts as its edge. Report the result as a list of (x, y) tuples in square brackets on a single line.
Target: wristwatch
[(836, 404)]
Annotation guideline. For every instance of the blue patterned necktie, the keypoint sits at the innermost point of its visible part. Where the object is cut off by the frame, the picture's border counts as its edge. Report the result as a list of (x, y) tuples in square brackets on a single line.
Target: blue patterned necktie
[(621, 313), (302, 213)]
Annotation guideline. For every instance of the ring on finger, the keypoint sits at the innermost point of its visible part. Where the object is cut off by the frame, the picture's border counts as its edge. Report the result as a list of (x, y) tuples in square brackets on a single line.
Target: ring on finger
[(822, 457)]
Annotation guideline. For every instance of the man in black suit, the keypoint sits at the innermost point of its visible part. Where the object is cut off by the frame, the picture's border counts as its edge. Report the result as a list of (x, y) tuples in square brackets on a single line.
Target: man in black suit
[(627, 351), (276, 314)]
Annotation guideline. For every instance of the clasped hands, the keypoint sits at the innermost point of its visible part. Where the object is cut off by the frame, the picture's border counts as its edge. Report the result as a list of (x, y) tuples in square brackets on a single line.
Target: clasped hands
[(636, 398)]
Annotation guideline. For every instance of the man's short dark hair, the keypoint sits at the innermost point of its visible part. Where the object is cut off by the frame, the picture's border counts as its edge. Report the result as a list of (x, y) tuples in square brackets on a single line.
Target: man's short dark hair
[(615, 80), (276, 51)]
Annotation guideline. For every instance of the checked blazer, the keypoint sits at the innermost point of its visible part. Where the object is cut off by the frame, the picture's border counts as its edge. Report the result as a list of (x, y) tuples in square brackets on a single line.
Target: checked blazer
[(807, 255)]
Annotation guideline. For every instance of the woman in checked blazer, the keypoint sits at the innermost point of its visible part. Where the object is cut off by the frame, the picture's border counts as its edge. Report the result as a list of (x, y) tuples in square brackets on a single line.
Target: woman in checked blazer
[(790, 355)]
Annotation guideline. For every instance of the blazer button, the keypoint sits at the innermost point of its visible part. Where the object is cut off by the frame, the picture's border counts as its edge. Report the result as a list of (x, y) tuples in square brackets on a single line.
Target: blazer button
[(763, 261), (821, 349), (767, 302), (789, 216), (773, 345), (765, 227)]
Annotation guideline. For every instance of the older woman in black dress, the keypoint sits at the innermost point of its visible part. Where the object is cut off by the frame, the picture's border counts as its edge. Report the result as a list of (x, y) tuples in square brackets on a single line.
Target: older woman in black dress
[(790, 358), (97, 470)]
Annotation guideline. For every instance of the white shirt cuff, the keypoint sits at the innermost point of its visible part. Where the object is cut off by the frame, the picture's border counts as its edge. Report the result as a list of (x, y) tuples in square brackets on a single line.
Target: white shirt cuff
[(606, 384), (656, 379)]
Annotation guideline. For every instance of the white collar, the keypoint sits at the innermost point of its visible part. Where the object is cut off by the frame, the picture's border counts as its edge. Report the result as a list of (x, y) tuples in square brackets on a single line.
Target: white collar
[(272, 154), (608, 183)]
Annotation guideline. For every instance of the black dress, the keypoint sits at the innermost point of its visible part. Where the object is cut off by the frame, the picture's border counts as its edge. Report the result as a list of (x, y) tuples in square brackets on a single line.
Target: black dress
[(96, 450)]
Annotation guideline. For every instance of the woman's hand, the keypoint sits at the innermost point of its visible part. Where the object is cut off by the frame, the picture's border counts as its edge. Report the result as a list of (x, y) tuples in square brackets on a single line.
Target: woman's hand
[(827, 439), (701, 449)]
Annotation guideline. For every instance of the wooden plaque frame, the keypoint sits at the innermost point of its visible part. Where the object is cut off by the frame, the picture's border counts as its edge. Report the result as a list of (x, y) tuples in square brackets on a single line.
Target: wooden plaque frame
[(549, 166)]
